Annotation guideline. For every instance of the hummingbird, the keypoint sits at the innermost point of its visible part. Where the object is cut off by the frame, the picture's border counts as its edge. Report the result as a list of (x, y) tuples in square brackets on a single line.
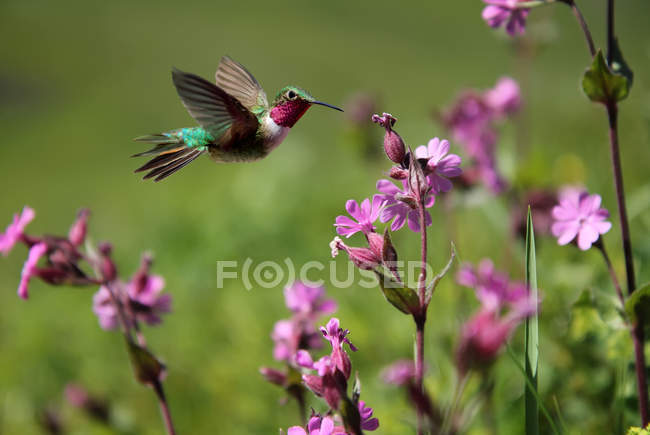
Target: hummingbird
[(236, 122)]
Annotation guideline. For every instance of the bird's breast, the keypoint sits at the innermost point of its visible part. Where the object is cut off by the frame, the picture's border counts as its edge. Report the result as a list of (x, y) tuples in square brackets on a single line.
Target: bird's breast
[(273, 132)]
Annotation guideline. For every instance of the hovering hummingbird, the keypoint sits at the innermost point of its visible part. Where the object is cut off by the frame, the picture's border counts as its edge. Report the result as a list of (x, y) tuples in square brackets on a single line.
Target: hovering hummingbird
[(237, 124)]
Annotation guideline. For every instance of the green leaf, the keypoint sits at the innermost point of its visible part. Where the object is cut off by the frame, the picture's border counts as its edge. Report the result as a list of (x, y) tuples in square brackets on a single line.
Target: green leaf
[(532, 334), (436, 279), (401, 297), (147, 368), (619, 66), (639, 303), (601, 85)]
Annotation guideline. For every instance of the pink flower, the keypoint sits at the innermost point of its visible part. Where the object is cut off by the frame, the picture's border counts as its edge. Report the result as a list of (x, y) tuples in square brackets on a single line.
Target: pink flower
[(308, 301), (399, 373), (498, 12), (440, 166), (29, 269), (365, 216), (504, 304), (318, 426), (14, 231), (493, 288), (400, 211), (367, 422), (104, 309), (337, 336), (581, 216), (141, 296), (505, 97)]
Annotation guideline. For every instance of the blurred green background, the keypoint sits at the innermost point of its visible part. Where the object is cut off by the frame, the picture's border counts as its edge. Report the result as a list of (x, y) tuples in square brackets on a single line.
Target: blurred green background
[(80, 79)]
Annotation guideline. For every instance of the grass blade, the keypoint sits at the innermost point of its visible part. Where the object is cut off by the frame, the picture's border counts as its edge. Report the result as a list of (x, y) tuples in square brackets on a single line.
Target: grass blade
[(532, 335)]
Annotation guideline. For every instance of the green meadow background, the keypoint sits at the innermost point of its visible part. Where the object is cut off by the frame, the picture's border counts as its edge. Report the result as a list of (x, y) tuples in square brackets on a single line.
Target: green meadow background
[(80, 79)]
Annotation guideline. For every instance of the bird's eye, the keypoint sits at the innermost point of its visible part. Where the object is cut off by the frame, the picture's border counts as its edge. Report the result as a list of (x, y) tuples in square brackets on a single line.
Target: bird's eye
[(291, 95)]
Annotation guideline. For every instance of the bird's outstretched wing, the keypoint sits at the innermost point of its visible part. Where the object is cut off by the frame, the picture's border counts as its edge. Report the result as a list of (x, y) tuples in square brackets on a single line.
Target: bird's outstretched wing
[(233, 78), (211, 106)]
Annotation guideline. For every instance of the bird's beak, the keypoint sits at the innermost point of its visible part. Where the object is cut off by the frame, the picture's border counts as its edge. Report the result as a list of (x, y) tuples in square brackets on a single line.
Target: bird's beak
[(327, 105)]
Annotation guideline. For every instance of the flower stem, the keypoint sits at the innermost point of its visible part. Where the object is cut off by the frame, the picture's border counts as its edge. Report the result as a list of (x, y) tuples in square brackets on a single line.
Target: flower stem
[(583, 25), (421, 318), (600, 244), (164, 408), (637, 331)]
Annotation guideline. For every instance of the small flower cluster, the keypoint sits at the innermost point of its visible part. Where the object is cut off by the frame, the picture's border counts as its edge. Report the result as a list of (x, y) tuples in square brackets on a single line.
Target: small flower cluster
[(299, 333), (331, 383), (472, 119), (422, 175), (64, 263), (504, 305)]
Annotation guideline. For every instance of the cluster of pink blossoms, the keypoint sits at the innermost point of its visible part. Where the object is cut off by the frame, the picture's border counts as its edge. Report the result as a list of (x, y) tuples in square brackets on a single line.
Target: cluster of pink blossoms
[(504, 305), (63, 263), (420, 178), (472, 120), (331, 379)]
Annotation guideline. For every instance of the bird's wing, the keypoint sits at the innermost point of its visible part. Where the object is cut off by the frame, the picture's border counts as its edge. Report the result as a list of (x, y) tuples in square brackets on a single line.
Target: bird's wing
[(233, 78), (211, 106)]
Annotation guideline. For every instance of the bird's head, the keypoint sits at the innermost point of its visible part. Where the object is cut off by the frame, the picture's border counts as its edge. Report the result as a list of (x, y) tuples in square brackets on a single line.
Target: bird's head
[(291, 103)]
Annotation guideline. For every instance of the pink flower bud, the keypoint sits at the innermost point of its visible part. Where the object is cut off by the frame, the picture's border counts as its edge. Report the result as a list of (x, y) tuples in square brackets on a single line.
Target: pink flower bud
[(77, 232), (274, 376), (108, 268), (393, 143)]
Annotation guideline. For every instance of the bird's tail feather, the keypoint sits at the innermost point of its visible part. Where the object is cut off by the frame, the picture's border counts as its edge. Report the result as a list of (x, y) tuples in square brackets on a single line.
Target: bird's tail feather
[(171, 155)]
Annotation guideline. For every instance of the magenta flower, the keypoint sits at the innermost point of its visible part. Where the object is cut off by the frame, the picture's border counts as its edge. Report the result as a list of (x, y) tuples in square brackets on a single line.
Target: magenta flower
[(141, 296), (504, 98), (504, 304), (308, 301), (398, 210), (14, 231), (337, 336), (493, 289), (579, 216), (498, 12), (29, 269), (364, 216), (399, 373), (440, 166), (367, 422), (318, 426), (104, 309)]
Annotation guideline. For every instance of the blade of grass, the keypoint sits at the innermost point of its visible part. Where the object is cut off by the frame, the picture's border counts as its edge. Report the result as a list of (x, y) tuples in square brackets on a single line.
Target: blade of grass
[(532, 335), (529, 386)]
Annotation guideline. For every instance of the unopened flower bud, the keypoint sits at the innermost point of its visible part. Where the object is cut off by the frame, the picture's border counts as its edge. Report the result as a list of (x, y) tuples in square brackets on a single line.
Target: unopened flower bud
[(107, 267), (274, 376), (393, 143), (77, 233)]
